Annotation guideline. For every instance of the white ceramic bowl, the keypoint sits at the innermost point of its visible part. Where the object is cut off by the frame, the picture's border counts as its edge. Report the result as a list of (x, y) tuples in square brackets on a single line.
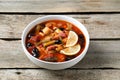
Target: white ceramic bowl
[(55, 65)]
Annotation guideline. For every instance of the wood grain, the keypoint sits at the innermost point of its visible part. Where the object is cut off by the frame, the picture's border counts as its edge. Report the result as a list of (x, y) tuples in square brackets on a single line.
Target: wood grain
[(59, 75), (50, 6), (99, 26), (101, 54)]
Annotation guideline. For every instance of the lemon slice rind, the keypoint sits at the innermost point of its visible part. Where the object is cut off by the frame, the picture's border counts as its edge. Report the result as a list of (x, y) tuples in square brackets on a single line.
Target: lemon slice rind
[(71, 50)]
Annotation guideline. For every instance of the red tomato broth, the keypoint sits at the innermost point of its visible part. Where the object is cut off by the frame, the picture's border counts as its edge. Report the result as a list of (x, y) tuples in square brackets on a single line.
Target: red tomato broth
[(53, 57)]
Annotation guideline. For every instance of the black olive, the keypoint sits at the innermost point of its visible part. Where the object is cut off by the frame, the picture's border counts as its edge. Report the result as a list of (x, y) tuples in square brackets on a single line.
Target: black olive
[(29, 45), (80, 36), (68, 58), (35, 52), (30, 35), (61, 29), (58, 42)]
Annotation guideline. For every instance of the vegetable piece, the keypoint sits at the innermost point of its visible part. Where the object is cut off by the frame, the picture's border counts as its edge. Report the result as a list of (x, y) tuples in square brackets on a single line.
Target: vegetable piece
[(37, 43), (46, 39), (41, 34), (59, 35), (37, 29), (58, 30), (64, 40), (59, 47), (41, 50), (69, 26), (50, 25), (55, 37), (52, 42), (47, 30), (35, 52), (60, 57), (48, 43), (64, 26)]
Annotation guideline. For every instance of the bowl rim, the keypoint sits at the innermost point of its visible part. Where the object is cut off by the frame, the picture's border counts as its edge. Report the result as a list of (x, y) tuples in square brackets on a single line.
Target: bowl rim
[(23, 37)]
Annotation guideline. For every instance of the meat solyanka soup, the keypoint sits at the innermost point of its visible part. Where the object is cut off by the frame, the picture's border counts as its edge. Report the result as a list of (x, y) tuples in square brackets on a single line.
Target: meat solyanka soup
[(55, 41)]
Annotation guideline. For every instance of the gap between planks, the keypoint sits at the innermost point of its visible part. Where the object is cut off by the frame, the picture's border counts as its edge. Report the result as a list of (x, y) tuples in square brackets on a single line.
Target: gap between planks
[(57, 13), (72, 68)]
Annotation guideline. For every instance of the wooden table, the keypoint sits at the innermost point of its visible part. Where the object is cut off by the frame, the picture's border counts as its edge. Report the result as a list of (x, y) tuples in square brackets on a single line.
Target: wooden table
[(101, 18)]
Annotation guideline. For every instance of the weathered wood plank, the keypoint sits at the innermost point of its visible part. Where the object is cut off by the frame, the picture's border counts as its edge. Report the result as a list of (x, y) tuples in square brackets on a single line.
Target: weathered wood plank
[(42, 6), (59, 75), (99, 26), (100, 54)]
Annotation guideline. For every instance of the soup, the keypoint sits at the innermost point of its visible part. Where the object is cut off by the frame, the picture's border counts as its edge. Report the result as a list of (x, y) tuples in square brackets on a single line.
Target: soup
[(55, 41)]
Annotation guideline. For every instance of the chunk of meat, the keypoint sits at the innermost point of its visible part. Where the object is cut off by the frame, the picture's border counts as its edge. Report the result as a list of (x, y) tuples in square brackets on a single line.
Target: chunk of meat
[(48, 57), (30, 49), (35, 39), (51, 47), (62, 34), (60, 57)]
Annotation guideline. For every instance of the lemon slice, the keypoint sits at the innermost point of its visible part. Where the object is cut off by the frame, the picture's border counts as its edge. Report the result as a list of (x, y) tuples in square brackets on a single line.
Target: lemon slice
[(71, 50), (72, 39)]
